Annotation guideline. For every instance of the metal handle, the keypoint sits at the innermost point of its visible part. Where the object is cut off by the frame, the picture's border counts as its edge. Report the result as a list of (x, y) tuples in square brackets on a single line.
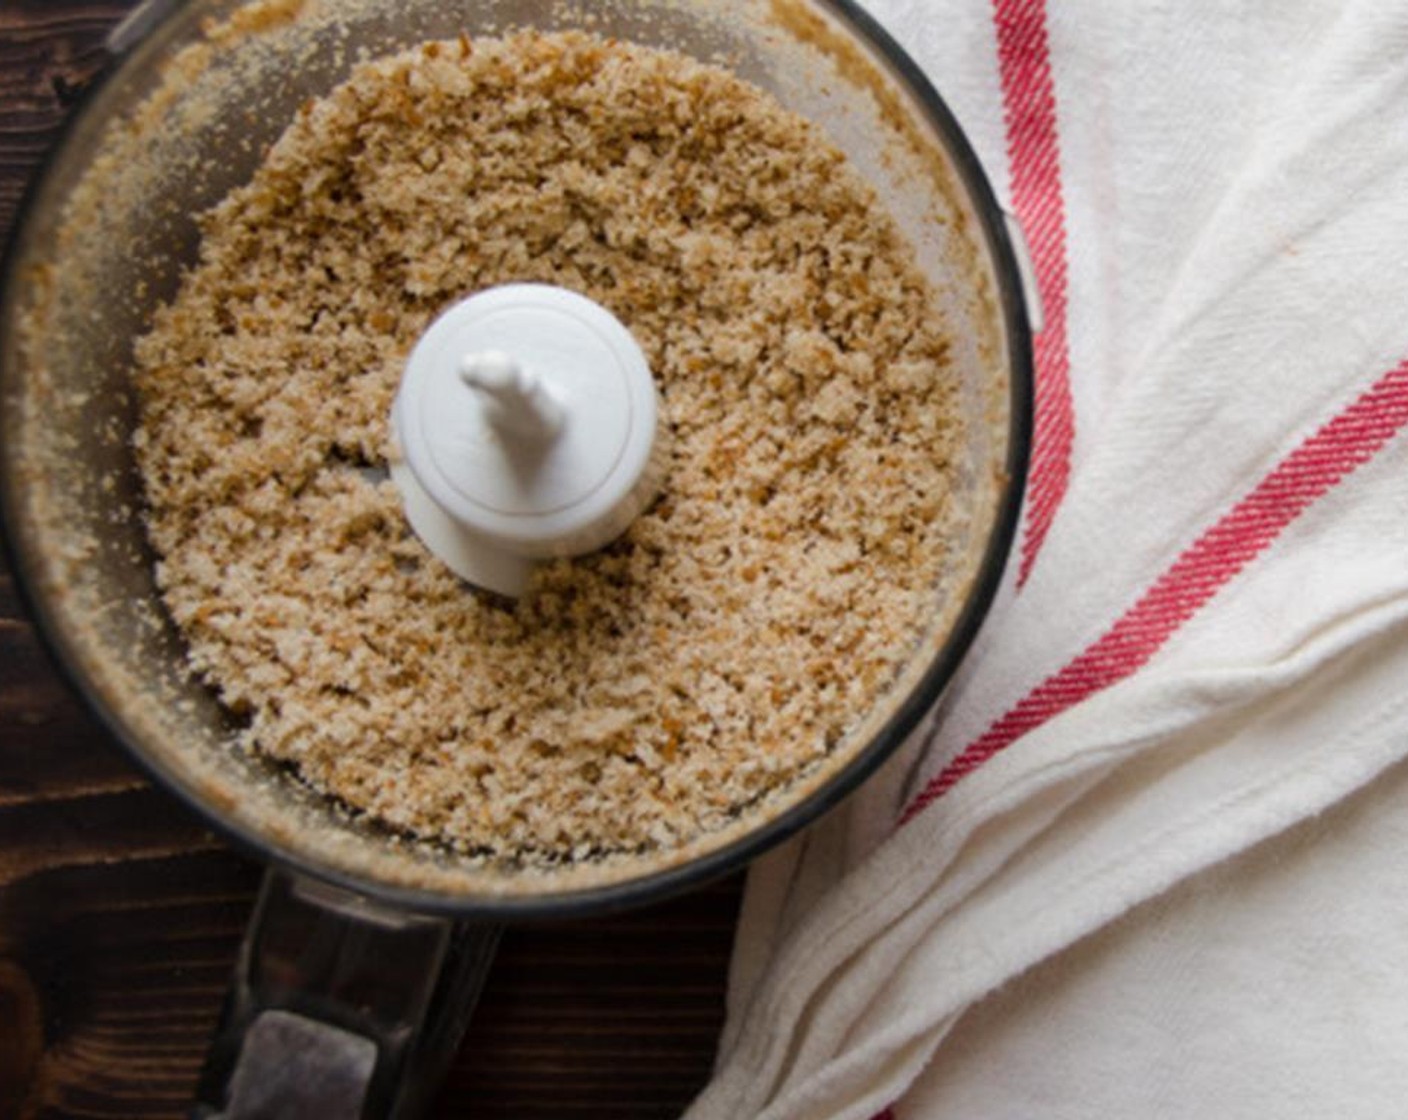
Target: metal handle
[(341, 1008)]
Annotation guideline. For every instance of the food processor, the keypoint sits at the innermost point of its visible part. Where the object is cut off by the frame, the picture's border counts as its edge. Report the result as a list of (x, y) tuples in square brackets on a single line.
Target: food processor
[(366, 949)]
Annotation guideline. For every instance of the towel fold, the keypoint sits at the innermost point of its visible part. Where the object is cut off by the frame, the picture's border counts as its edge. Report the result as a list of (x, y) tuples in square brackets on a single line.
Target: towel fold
[(1201, 643)]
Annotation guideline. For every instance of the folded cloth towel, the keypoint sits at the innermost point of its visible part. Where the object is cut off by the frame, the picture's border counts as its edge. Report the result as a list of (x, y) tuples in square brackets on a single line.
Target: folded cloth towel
[(1202, 642)]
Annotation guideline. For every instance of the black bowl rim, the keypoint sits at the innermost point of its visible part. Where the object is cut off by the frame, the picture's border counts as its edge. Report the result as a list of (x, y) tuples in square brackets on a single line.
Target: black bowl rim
[(667, 882)]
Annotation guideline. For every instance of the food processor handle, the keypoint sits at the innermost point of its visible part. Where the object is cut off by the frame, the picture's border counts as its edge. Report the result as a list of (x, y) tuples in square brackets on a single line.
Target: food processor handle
[(341, 1007)]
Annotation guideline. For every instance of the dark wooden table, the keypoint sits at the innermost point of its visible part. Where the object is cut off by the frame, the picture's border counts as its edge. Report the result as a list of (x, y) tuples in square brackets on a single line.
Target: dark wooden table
[(120, 916)]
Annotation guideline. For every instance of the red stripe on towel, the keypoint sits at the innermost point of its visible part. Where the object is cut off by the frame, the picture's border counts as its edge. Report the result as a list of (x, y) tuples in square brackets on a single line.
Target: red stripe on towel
[(1308, 473), (1029, 103)]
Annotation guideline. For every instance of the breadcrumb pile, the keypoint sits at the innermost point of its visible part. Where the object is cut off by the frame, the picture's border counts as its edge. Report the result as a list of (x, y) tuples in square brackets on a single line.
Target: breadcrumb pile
[(636, 698)]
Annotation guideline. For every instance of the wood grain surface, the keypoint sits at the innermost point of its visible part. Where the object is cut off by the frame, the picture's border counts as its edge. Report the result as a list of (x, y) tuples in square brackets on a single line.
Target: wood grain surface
[(120, 916)]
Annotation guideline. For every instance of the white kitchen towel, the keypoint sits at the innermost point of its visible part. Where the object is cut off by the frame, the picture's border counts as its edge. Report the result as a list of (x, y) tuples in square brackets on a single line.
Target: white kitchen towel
[(1202, 641)]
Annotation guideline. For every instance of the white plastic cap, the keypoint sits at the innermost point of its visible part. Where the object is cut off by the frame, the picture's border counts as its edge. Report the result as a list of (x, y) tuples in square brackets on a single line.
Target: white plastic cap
[(527, 427)]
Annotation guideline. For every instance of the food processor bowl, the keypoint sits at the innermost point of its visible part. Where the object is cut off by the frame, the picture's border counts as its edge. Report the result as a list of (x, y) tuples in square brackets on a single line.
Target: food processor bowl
[(194, 94)]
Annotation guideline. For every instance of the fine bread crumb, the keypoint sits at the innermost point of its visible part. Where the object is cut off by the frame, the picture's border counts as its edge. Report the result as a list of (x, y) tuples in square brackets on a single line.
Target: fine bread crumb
[(637, 698)]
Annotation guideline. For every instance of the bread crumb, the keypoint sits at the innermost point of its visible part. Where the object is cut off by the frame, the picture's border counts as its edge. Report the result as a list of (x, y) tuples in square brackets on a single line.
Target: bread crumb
[(645, 695)]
